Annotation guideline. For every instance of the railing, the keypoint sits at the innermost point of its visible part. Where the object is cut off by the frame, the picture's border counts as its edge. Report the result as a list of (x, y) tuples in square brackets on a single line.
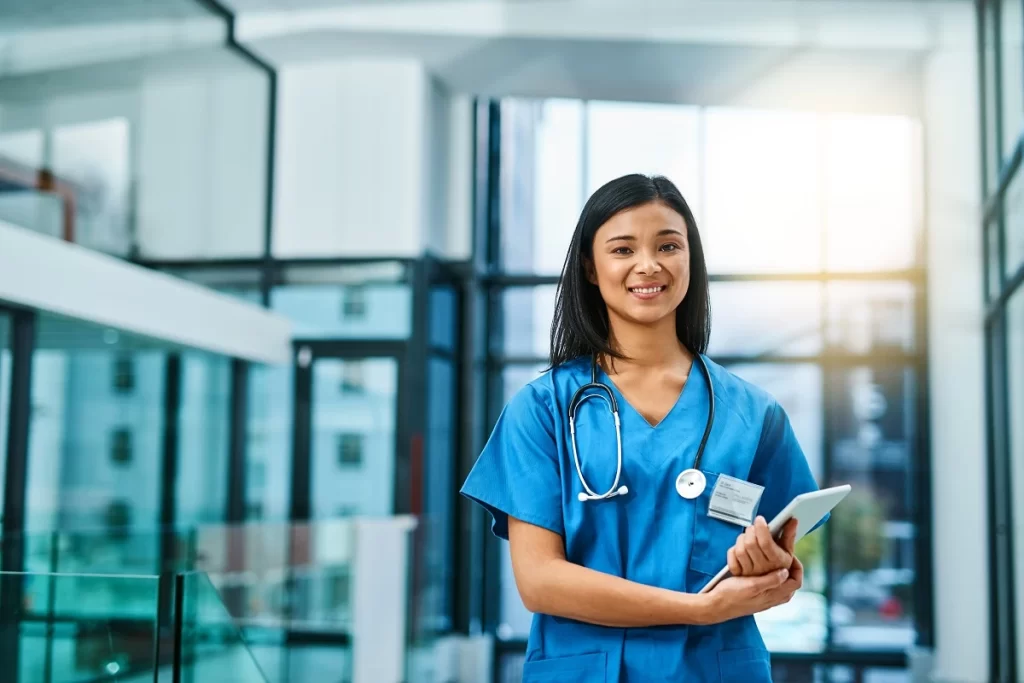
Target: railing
[(193, 638), (232, 596)]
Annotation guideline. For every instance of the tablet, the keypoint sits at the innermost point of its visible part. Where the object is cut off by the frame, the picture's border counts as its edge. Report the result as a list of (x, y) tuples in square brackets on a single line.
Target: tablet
[(808, 508)]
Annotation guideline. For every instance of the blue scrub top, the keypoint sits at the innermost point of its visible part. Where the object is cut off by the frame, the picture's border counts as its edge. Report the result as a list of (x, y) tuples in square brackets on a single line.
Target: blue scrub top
[(651, 535)]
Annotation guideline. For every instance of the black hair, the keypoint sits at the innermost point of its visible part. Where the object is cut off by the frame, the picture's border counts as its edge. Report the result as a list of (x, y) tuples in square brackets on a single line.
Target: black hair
[(580, 324)]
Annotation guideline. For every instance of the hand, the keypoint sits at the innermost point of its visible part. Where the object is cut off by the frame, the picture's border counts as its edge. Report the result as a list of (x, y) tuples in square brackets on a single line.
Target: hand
[(745, 595), (756, 553)]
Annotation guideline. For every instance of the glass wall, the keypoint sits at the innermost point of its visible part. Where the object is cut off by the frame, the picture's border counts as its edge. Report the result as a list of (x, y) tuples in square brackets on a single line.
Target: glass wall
[(1002, 234), (204, 423), (150, 140), (5, 395), (806, 302), (96, 438)]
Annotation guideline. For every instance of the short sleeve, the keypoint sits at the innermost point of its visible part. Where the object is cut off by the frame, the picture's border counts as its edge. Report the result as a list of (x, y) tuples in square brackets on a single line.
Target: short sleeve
[(517, 474), (780, 465)]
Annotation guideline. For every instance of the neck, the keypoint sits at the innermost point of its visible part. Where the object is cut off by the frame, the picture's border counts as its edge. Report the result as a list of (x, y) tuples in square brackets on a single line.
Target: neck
[(647, 346)]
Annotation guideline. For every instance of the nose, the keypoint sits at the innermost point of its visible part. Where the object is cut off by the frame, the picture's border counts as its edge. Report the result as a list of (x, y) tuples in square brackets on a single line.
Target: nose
[(647, 263)]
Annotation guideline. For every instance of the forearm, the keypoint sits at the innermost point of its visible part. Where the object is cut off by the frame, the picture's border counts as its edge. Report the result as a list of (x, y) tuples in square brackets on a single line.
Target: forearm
[(561, 588)]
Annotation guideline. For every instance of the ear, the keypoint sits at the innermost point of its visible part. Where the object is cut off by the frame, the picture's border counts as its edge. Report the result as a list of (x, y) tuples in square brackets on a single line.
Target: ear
[(589, 271)]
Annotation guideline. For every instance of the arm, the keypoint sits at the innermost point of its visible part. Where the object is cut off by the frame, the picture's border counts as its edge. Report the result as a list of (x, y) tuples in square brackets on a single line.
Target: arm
[(550, 584)]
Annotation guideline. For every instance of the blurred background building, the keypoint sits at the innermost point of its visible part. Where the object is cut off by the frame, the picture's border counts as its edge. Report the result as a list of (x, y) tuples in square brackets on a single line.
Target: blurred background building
[(269, 270)]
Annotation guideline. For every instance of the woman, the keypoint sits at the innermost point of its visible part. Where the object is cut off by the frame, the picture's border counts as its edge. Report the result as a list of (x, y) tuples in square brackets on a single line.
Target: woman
[(612, 569)]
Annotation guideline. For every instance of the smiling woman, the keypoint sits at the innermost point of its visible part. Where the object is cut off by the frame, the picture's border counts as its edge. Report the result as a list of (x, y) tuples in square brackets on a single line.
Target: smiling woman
[(610, 519)]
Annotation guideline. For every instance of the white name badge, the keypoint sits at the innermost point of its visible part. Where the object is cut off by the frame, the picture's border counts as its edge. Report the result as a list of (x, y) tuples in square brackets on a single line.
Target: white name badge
[(735, 500)]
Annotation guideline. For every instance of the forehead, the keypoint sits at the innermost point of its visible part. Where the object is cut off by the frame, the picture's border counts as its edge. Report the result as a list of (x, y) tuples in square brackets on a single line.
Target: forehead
[(642, 221)]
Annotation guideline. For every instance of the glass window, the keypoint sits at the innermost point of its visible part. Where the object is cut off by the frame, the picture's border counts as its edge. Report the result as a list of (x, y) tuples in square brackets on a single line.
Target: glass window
[(1013, 208), (23, 147), (526, 314), (873, 423), (644, 138), (204, 425), (444, 317), (1015, 382), (542, 182), (1011, 25), (5, 396), (871, 209), (269, 441), (994, 283), (352, 457), (320, 311), (765, 318), (763, 191), (867, 317), (441, 444), (95, 157), (992, 146), (95, 453)]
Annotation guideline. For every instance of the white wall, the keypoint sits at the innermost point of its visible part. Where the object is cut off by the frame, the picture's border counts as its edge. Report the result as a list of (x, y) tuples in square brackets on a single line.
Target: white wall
[(956, 380), (197, 144), (364, 166), (202, 165)]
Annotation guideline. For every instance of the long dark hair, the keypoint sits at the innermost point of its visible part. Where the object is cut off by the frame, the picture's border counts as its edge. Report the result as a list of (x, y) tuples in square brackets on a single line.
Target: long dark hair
[(580, 324)]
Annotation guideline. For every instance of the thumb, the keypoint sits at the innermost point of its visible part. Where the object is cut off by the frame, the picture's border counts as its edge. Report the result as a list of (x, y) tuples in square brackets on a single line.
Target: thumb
[(789, 535), (772, 580)]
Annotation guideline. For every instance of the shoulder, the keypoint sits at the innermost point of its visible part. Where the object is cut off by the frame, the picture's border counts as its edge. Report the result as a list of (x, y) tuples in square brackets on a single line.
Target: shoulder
[(546, 390), (751, 403)]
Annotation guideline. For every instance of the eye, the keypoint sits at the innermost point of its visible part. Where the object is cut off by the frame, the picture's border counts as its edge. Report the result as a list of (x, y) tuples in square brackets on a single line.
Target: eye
[(622, 251), (671, 246)]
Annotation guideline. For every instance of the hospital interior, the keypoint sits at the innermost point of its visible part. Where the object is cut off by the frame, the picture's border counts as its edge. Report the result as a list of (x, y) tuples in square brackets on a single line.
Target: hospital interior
[(270, 270)]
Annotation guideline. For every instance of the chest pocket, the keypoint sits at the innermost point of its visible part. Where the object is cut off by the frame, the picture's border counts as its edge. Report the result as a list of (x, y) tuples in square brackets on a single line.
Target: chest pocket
[(712, 537)]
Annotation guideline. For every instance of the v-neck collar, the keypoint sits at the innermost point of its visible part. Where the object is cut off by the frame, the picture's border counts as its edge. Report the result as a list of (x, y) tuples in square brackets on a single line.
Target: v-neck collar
[(685, 395)]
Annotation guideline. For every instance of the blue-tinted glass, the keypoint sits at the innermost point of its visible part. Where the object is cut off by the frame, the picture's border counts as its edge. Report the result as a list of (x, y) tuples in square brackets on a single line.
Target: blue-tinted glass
[(873, 423), (526, 314), (204, 424), (443, 317), (1015, 408), (353, 437), (5, 394), (378, 311), (439, 463), (269, 442), (96, 437)]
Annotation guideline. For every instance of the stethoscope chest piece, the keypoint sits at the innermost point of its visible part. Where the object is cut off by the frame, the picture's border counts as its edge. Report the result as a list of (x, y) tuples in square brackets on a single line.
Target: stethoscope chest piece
[(690, 483)]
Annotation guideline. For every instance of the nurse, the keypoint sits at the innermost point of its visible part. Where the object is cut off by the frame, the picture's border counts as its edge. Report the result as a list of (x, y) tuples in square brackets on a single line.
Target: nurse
[(612, 569)]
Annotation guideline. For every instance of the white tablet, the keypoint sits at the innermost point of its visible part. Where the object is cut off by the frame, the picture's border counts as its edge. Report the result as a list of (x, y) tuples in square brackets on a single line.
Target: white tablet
[(808, 508)]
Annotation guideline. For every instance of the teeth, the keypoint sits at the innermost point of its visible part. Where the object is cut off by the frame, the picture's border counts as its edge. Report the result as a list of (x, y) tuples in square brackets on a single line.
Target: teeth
[(647, 290)]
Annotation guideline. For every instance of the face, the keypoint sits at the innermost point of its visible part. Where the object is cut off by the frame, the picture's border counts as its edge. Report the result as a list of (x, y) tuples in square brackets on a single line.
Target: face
[(641, 263)]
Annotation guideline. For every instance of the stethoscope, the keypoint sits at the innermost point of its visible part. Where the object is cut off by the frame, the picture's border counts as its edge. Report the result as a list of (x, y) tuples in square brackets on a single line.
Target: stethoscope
[(689, 484)]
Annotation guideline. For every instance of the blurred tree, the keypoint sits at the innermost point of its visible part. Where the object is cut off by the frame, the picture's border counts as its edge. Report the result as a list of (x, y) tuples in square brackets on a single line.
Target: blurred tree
[(856, 527)]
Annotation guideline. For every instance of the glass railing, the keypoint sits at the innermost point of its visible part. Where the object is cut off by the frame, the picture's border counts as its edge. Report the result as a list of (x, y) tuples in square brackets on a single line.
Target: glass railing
[(212, 645), (246, 591), (73, 638)]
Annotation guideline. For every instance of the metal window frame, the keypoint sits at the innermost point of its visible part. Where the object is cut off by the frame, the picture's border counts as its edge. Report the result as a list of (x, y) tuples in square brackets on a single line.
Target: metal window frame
[(1004, 617)]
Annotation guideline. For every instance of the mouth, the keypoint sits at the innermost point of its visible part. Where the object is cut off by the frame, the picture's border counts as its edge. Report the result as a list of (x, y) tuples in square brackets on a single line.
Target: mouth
[(648, 292)]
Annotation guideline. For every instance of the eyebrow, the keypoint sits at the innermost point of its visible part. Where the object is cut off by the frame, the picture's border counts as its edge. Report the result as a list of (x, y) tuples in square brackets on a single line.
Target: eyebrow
[(630, 238)]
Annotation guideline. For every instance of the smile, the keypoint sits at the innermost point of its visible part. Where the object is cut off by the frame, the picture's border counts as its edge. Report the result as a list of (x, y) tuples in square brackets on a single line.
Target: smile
[(648, 290)]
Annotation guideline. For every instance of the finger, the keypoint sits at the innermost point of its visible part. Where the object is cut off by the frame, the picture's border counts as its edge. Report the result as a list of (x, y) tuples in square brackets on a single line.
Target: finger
[(743, 555), (796, 573), (734, 566), (772, 580), (752, 543), (788, 541), (774, 554)]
